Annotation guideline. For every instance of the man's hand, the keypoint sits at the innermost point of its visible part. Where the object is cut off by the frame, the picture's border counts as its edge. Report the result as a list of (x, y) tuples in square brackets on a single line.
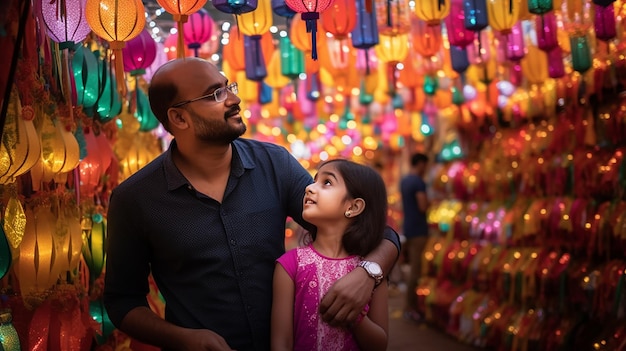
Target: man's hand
[(346, 299)]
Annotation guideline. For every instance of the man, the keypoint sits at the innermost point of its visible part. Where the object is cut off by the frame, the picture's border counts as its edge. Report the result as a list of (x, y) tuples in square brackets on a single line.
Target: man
[(415, 227), (207, 219)]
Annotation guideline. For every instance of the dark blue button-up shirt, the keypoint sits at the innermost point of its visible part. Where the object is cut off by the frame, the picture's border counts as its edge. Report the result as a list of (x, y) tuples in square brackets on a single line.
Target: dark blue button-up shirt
[(213, 262)]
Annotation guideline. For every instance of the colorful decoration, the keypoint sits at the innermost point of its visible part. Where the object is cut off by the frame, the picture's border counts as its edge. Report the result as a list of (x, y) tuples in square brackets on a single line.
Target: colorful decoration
[(198, 29), (310, 12), (234, 7), (254, 25), (181, 10), (432, 11), (64, 21), (340, 18), (139, 53)]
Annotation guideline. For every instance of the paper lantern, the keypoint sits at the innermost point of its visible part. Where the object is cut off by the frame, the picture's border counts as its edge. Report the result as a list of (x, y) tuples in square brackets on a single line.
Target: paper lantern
[(94, 234), (546, 30), (393, 16), (426, 38), (581, 53), (515, 47), (180, 11), (90, 167), (300, 38), (577, 16), (539, 7), (556, 67), (534, 65), (291, 59), (235, 7), (275, 78), (116, 23), (365, 33), (139, 53), (109, 103), (9, 339), (604, 22), (480, 50), (254, 25), (432, 11), (170, 47), (309, 12), (233, 51), (64, 21), (198, 29), (502, 15), (143, 113), (280, 8), (86, 78), (459, 60), (340, 18), (458, 35), (392, 48), (476, 17)]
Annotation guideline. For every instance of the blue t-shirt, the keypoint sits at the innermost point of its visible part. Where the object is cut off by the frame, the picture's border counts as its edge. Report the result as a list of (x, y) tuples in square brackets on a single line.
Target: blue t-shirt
[(414, 220)]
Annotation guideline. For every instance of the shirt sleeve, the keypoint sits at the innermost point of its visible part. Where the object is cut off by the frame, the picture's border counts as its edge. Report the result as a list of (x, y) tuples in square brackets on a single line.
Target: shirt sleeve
[(299, 179), (391, 235), (289, 261)]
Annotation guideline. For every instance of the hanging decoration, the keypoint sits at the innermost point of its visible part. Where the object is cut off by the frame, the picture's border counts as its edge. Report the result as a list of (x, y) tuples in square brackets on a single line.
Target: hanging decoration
[(180, 11), (280, 8), (340, 18), (458, 35), (432, 11), (539, 7), (234, 7), (139, 53), (109, 103), (64, 21), (604, 22), (116, 24), (365, 33), (393, 16), (546, 29), (502, 15), (253, 25), (426, 39), (86, 78), (291, 59), (233, 51), (310, 12), (198, 29)]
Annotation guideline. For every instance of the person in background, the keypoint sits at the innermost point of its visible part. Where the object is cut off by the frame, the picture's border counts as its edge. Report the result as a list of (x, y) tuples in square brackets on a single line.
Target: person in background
[(347, 204), (207, 220), (415, 228)]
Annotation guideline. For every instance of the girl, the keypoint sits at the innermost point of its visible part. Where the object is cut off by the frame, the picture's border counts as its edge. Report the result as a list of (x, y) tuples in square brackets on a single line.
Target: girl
[(347, 203)]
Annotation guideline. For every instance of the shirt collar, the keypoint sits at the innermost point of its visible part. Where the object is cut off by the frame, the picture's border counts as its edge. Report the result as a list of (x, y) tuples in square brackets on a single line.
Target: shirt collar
[(242, 160)]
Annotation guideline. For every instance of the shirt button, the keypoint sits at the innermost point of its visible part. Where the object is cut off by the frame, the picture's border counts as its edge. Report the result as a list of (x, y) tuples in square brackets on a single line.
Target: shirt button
[(233, 242)]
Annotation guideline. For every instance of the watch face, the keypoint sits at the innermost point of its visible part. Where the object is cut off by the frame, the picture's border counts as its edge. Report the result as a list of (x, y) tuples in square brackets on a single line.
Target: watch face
[(375, 268)]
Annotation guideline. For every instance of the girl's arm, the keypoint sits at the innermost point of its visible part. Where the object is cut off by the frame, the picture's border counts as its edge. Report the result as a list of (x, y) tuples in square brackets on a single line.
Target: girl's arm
[(371, 333), (282, 310)]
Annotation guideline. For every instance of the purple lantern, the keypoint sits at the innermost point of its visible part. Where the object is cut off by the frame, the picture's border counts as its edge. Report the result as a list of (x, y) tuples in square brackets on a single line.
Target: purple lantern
[(64, 20), (253, 54), (604, 22), (545, 27), (365, 32), (198, 29), (236, 7), (458, 35), (556, 68), (515, 48), (139, 53)]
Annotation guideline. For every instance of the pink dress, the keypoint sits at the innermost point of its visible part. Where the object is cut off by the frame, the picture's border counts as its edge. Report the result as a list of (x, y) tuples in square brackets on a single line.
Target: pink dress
[(313, 275)]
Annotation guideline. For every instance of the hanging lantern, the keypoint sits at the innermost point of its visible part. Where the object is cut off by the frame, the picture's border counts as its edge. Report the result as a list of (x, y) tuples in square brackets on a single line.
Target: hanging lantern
[(459, 60), (275, 77), (476, 17), (254, 25), (502, 15), (280, 8), (539, 7), (556, 67), (198, 29), (393, 16), (145, 116), (480, 50), (9, 339), (109, 103), (577, 16), (86, 79), (581, 54), (233, 51), (458, 35), (340, 18), (139, 53), (546, 30), (432, 11), (426, 38), (90, 166), (309, 12), (116, 24), (515, 47), (65, 21), (298, 33), (604, 22), (94, 243), (365, 32), (534, 65), (291, 59), (392, 48), (234, 7), (180, 11)]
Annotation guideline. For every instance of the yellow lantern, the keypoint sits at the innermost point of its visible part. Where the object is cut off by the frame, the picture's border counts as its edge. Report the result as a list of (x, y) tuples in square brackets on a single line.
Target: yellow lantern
[(180, 11), (143, 149), (116, 24), (432, 11), (392, 48), (503, 14), (20, 148), (534, 65), (248, 89), (275, 78), (256, 22)]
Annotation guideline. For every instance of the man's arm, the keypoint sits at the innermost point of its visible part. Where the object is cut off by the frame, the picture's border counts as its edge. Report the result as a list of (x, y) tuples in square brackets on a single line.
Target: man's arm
[(347, 297)]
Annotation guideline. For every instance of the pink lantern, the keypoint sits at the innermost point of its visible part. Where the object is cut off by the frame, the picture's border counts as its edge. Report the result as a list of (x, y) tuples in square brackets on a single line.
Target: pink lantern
[(458, 35), (198, 29), (159, 60), (604, 22), (64, 20), (310, 12), (515, 48), (139, 53), (545, 27)]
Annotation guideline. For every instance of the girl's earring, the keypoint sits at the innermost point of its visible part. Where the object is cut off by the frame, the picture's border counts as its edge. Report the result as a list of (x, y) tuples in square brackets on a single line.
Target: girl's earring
[(348, 214)]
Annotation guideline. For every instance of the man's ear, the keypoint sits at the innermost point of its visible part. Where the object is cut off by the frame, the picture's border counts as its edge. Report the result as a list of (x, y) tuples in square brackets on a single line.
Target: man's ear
[(176, 119), (357, 206)]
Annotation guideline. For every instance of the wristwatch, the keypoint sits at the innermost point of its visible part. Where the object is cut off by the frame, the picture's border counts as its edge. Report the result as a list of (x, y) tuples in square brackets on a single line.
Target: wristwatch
[(373, 270)]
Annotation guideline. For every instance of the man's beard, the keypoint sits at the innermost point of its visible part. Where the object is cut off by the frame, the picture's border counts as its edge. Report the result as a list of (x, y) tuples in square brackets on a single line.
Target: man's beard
[(217, 131)]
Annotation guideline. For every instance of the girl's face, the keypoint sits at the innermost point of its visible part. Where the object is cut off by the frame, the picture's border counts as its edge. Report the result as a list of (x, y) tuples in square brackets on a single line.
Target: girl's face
[(327, 198)]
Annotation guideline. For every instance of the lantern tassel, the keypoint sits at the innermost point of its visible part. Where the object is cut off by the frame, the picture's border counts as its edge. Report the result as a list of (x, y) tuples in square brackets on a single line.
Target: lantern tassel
[(311, 27), (180, 44), (117, 47)]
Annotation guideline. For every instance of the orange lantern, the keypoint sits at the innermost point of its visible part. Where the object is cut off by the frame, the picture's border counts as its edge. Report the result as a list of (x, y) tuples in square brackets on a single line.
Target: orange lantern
[(300, 39), (180, 10), (426, 38), (393, 16), (170, 46), (432, 11), (116, 24), (233, 51), (502, 15), (340, 18)]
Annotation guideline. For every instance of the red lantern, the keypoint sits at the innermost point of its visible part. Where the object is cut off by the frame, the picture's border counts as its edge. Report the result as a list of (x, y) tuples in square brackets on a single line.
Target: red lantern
[(340, 18), (310, 12)]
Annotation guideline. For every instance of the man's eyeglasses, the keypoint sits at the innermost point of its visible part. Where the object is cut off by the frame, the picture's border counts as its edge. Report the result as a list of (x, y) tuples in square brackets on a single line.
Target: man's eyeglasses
[(220, 95)]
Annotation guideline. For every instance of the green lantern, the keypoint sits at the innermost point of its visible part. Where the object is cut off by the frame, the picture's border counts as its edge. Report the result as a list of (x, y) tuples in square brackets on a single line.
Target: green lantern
[(291, 59), (109, 102), (145, 116), (86, 78), (581, 55)]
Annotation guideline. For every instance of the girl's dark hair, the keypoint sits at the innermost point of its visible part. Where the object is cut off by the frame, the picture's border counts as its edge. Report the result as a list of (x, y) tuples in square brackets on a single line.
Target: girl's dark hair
[(366, 230)]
